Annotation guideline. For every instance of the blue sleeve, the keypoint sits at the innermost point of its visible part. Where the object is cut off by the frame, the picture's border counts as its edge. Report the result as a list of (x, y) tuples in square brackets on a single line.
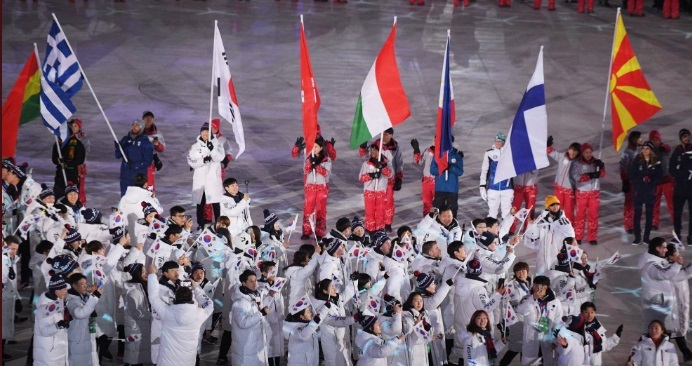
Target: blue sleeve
[(458, 167), (434, 170)]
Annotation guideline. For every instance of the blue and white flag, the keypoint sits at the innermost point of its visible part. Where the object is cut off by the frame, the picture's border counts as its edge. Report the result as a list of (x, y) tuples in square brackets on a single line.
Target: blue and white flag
[(60, 80), (525, 149)]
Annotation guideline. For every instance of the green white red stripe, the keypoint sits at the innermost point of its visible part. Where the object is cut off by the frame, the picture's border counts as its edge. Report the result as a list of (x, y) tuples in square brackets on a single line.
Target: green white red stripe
[(382, 103)]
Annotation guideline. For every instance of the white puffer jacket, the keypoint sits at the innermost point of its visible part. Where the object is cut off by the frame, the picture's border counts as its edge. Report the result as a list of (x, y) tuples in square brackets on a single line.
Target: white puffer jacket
[(181, 324), (50, 343), (645, 353), (251, 331), (374, 350), (657, 295)]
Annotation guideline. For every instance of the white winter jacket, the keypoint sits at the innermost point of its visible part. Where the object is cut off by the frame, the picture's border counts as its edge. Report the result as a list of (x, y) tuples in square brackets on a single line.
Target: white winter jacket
[(206, 179), (131, 202), (546, 235), (238, 213), (251, 331), (657, 295), (303, 343), (476, 350), (181, 324), (50, 343), (645, 353), (470, 295), (374, 350), (82, 343), (300, 279)]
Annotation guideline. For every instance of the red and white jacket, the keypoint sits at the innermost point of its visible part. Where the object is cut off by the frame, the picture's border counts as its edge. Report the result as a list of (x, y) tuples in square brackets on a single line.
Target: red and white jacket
[(370, 184)]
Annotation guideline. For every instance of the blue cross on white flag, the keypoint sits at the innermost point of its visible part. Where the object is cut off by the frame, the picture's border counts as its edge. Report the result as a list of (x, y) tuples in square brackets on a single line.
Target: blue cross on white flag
[(60, 80), (525, 150)]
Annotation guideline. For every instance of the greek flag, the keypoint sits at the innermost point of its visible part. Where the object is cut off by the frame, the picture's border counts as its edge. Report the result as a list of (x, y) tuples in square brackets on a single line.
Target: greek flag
[(60, 80), (525, 150)]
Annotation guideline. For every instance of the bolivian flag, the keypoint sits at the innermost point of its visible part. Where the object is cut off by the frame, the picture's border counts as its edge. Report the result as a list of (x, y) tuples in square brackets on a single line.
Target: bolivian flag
[(632, 100), (22, 104)]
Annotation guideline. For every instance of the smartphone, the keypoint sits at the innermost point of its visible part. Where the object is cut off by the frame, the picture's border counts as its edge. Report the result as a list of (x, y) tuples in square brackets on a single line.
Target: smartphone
[(188, 217), (500, 282)]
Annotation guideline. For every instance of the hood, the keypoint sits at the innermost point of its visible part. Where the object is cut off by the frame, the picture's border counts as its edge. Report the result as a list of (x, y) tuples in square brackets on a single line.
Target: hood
[(37, 258), (647, 258), (181, 313), (136, 195)]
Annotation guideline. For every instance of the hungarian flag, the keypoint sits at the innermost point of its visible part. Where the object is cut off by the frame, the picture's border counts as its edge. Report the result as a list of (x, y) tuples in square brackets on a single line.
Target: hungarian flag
[(446, 115), (228, 103), (22, 104), (308, 92), (632, 100), (382, 103)]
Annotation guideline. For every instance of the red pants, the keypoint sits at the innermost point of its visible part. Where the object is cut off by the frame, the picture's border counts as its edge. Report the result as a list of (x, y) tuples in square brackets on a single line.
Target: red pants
[(588, 3), (566, 197), (587, 201), (428, 194), (389, 203), (628, 211), (635, 7), (151, 178), (505, 3), (82, 177), (551, 4), (525, 194), (664, 188), (315, 201), (375, 208), (671, 9)]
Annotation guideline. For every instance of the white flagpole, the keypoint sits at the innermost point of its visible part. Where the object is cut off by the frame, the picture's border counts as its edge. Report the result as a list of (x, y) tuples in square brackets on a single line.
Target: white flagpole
[(90, 88), (57, 144), (605, 105), (211, 90)]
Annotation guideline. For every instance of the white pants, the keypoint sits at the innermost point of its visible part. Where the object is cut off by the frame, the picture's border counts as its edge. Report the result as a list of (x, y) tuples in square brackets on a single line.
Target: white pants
[(500, 200)]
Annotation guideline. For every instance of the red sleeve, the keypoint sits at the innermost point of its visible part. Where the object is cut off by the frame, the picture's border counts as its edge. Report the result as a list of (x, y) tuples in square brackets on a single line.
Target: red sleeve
[(602, 173), (549, 149), (362, 151), (331, 151), (365, 178), (416, 158), (159, 148), (386, 172), (584, 178), (307, 167), (321, 171), (230, 157), (295, 152)]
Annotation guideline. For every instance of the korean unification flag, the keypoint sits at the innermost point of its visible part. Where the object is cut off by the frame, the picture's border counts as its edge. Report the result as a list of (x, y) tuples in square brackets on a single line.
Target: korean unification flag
[(525, 149)]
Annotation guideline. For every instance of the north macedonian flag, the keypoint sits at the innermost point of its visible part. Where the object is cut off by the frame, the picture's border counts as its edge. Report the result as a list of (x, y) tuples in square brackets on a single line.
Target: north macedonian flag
[(632, 100), (22, 104)]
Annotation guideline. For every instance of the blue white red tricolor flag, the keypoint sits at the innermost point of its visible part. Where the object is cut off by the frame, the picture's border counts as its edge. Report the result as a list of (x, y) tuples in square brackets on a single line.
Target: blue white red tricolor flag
[(525, 150), (446, 115)]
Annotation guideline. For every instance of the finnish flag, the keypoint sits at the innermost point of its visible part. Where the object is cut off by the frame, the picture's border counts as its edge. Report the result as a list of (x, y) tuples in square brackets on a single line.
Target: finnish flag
[(526, 145)]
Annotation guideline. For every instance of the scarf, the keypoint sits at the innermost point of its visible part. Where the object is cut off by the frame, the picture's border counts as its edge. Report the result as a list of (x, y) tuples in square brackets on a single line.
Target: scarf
[(489, 344), (593, 329), (172, 286), (237, 198), (319, 295)]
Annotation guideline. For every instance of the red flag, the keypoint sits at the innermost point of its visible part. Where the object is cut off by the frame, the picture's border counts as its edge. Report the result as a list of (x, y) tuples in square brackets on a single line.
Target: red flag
[(309, 93)]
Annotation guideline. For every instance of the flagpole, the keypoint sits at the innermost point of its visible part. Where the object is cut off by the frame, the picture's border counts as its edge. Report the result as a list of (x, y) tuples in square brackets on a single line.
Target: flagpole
[(79, 64), (211, 90), (447, 152), (57, 143), (605, 105)]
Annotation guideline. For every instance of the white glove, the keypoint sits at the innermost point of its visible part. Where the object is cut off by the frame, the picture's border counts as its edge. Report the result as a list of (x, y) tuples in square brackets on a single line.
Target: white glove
[(484, 194)]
